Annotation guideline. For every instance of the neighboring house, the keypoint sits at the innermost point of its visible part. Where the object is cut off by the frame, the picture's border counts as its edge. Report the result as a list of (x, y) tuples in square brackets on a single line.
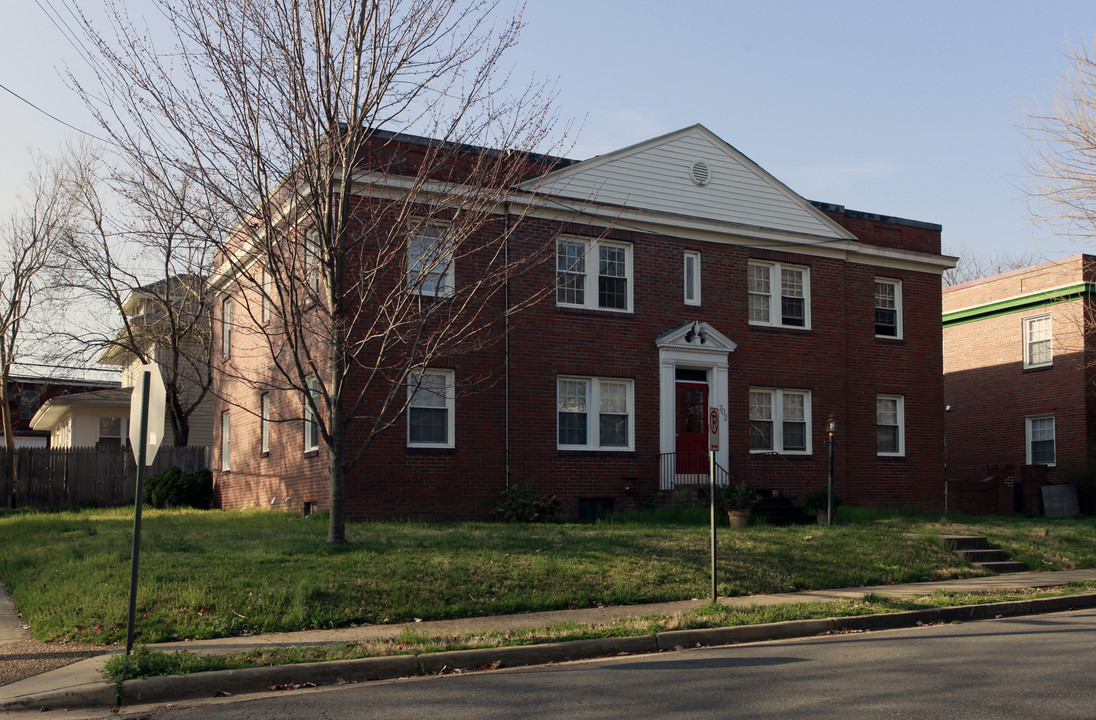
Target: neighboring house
[(686, 276), (89, 419), (150, 326), (30, 392), (1018, 370)]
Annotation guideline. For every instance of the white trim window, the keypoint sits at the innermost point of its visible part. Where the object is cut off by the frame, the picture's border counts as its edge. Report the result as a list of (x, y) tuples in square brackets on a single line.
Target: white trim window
[(890, 425), (312, 254), (226, 327), (888, 308), (779, 295), (311, 426), (430, 264), (692, 278), (1038, 342), (113, 432), (1039, 438), (583, 265), (264, 422), (780, 421), (431, 411), (595, 413), (268, 296), (226, 441)]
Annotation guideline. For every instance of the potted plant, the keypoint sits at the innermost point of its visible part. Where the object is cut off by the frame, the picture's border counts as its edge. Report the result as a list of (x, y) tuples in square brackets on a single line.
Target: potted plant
[(816, 502), (737, 500)]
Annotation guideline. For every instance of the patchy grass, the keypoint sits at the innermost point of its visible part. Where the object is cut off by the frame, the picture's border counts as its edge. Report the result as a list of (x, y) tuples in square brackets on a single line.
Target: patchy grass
[(147, 663), (211, 574)]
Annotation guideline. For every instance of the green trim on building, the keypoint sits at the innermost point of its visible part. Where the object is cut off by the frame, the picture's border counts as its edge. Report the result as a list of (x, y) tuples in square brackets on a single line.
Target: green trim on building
[(1046, 298)]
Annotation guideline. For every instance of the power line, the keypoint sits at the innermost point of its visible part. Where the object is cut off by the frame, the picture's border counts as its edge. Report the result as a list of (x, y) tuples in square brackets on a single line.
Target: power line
[(50, 115)]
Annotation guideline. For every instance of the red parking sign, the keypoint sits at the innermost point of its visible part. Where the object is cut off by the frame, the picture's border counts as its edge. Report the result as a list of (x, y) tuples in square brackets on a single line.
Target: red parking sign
[(713, 428)]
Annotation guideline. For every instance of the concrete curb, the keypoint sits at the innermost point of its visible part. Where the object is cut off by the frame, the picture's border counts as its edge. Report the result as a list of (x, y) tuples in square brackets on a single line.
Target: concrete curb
[(260, 679)]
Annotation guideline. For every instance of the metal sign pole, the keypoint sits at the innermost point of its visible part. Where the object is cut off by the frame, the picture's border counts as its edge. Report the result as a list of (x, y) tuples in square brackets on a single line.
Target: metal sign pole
[(137, 501), (711, 493)]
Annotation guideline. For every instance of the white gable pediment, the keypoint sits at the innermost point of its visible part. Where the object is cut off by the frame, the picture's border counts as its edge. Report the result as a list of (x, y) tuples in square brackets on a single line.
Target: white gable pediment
[(693, 173), (696, 336)]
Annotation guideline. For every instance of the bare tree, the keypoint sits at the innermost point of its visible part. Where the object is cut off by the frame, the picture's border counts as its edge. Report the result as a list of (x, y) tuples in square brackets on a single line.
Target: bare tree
[(287, 119), (1062, 155), (975, 265), (41, 222), (140, 256)]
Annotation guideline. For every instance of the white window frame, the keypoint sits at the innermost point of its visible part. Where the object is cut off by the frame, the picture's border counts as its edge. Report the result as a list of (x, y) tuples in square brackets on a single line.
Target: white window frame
[(776, 412), (311, 426), (267, 299), (587, 268), (691, 277), (1029, 432), (226, 327), (775, 294), (897, 286), (264, 422), (431, 273), (595, 387), (123, 430), (1029, 330), (414, 382), (900, 410), (312, 262), (226, 441)]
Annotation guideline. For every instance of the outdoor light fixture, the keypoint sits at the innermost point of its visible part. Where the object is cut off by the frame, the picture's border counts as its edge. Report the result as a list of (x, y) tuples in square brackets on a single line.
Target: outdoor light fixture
[(831, 426)]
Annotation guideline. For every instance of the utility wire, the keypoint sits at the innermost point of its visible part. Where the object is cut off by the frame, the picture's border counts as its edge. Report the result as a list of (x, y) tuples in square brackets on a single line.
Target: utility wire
[(50, 115)]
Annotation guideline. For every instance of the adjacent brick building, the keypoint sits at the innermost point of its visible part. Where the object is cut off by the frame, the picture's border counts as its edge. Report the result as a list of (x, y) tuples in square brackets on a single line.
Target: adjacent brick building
[(1018, 375), (685, 276)]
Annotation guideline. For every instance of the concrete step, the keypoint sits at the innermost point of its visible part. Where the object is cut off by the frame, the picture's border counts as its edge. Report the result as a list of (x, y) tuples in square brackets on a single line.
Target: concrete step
[(1002, 566), (978, 557), (966, 542)]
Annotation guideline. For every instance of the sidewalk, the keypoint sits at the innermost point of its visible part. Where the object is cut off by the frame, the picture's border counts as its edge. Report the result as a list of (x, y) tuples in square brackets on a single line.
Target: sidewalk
[(82, 684)]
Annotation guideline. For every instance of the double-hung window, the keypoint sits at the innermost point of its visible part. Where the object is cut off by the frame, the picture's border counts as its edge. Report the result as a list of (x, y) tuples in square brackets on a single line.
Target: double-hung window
[(311, 425), (780, 421), (268, 296), (595, 413), (264, 423), (779, 295), (890, 425), (430, 263), (692, 278), (595, 275), (226, 327), (430, 409), (1038, 342), (226, 441), (888, 308), (312, 255), (1040, 440)]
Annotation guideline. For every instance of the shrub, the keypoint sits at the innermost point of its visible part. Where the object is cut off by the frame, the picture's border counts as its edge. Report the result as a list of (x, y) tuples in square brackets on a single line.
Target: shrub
[(816, 500), (735, 496), (174, 488), (519, 504)]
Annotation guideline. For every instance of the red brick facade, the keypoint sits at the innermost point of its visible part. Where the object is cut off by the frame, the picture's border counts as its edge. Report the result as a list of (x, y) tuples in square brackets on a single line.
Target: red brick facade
[(994, 391), (506, 409)]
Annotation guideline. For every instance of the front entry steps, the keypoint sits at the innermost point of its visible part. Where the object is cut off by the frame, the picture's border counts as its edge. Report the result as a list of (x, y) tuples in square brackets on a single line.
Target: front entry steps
[(981, 554)]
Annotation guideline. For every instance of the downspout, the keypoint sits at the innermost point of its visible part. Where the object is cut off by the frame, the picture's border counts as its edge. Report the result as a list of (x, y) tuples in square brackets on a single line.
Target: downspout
[(506, 340)]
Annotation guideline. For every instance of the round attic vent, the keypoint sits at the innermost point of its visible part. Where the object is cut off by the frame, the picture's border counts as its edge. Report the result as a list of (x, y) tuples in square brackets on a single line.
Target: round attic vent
[(700, 173)]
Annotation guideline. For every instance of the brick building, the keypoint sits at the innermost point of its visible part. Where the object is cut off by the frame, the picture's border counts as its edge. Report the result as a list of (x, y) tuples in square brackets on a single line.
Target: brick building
[(684, 275), (1018, 374)]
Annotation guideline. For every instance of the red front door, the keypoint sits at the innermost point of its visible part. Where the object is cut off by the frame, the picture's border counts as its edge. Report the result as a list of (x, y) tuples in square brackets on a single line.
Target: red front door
[(691, 409)]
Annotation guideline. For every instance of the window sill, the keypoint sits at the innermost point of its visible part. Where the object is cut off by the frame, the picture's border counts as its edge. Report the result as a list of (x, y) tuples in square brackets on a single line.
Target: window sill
[(1038, 368), (890, 456), (593, 452), (431, 450), (781, 328), (890, 338), (576, 310), (782, 455), (264, 454), (312, 453)]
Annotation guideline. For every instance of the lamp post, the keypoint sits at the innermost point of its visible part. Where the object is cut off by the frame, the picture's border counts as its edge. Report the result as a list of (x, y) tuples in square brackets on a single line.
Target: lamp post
[(831, 428)]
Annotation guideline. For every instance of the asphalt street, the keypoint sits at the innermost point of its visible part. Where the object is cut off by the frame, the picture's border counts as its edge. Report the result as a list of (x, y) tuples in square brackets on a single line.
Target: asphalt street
[(1030, 667)]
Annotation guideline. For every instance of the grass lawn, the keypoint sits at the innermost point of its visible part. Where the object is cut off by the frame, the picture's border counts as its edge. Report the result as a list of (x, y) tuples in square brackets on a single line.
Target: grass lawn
[(211, 574)]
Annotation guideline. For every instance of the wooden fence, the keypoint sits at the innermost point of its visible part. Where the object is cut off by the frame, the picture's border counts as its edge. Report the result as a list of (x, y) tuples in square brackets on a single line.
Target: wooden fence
[(99, 476)]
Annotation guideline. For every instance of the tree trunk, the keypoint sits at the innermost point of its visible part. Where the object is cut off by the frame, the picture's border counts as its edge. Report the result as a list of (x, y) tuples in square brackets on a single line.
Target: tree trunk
[(336, 524)]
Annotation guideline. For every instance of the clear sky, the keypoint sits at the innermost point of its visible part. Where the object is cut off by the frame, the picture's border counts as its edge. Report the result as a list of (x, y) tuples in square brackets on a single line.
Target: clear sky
[(900, 108)]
